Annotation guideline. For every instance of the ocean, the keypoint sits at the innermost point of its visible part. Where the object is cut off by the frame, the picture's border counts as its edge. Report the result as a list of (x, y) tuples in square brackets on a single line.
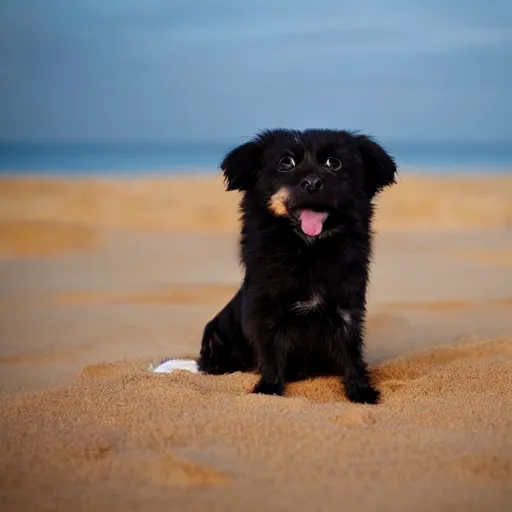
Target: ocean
[(157, 158)]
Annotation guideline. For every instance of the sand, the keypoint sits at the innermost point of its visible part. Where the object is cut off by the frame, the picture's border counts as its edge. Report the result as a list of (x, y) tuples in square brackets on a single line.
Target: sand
[(99, 279)]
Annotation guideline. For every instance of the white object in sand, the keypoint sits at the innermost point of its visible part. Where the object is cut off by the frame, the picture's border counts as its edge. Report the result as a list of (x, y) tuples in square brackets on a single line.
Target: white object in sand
[(173, 365)]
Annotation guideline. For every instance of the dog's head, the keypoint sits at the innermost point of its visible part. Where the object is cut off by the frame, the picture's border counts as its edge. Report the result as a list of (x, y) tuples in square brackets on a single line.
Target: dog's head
[(309, 177)]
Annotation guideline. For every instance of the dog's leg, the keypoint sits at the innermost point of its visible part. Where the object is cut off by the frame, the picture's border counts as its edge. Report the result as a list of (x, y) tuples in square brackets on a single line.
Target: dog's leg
[(224, 352), (214, 355), (348, 350), (224, 348), (272, 358)]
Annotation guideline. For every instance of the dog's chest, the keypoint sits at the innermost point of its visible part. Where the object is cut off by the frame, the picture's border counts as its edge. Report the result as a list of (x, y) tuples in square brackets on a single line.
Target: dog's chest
[(318, 286), (313, 295), (316, 302)]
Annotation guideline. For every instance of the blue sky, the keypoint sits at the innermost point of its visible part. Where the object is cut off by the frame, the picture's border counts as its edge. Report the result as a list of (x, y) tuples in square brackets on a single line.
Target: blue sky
[(206, 69)]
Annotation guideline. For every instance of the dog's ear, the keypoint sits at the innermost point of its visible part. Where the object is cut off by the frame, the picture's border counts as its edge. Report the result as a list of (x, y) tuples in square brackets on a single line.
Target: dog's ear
[(240, 166), (379, 166)]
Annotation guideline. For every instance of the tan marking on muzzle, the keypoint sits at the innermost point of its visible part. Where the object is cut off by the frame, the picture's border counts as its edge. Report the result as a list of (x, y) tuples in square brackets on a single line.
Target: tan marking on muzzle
[(277, 203)]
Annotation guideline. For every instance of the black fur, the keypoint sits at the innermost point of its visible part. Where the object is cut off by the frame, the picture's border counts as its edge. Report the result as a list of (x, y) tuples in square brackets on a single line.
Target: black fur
[(264, 327)]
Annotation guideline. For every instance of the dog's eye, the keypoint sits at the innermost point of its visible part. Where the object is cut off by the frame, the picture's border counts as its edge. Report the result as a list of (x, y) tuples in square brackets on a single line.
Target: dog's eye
[(334, 164), (287, 163)]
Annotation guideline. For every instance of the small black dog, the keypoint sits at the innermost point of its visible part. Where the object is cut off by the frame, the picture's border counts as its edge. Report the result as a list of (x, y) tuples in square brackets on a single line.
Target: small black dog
[(306, 247)]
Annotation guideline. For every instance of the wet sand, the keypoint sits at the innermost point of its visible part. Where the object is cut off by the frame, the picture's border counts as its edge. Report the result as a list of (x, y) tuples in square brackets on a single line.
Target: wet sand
[(100, 279)]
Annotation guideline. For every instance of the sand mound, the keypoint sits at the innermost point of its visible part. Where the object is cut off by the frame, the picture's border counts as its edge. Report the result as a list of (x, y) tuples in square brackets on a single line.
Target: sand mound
[(43, 238), (172, 294), (446, 203), (200, 204), (191, 204), (441, 440)]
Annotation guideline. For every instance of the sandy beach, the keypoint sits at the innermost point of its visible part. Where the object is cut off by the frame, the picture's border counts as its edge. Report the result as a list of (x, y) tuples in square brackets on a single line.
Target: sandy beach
[(102, 278)]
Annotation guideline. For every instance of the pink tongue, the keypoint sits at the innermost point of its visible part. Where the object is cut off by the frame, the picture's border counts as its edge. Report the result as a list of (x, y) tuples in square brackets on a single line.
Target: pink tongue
[(311, 222)]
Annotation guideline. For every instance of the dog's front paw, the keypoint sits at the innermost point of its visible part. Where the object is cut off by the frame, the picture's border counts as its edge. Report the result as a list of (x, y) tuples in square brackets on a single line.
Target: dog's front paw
[(269, 388), (362, 392)]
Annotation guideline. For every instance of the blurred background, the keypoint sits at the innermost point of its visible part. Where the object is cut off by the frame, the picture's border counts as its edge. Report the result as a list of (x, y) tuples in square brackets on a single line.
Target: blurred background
[(118, 243), (115, 115), (156, 85)]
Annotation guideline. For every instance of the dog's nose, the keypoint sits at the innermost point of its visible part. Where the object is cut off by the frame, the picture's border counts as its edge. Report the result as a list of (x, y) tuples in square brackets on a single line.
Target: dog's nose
[(311, 184)]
